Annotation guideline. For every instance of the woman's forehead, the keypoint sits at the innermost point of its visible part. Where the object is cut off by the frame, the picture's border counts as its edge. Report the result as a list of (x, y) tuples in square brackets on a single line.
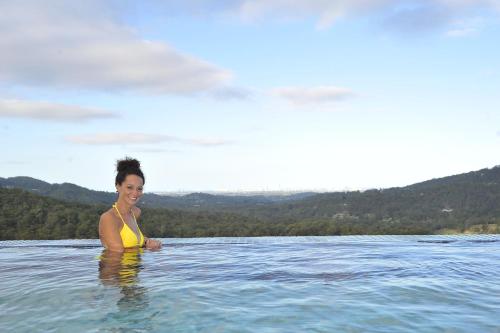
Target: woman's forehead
[(133, 179)]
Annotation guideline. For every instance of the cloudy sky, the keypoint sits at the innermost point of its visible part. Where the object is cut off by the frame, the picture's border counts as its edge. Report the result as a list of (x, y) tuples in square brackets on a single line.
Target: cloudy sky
[(249, 95)]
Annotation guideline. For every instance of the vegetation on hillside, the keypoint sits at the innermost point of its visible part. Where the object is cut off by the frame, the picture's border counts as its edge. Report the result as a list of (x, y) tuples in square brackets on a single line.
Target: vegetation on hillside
[(456, 204)]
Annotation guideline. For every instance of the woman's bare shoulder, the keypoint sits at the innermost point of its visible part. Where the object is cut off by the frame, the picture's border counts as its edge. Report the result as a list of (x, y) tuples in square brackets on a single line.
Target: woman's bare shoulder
[(108, 223), (107, 216), (109, 231)]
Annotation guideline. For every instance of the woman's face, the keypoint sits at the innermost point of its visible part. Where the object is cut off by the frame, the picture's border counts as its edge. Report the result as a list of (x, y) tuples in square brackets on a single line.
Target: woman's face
[(131, 189)]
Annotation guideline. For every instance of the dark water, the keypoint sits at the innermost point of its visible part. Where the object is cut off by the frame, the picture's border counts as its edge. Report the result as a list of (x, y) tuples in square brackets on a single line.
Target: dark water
[(270, 284)]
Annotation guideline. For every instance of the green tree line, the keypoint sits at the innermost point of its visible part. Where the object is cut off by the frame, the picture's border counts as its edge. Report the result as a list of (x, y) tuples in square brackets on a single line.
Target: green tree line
[(25, 215)]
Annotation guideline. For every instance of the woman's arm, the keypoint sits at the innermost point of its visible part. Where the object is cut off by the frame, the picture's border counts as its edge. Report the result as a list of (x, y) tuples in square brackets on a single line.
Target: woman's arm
[(149, 243), (110, 234)]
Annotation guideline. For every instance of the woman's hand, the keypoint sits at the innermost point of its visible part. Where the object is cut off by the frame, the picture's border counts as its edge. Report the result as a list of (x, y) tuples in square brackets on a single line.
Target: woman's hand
[(152, 244)]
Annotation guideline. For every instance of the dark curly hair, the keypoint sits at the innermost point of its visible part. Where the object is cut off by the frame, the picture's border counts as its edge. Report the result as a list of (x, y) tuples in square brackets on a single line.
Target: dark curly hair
[(128, 166)]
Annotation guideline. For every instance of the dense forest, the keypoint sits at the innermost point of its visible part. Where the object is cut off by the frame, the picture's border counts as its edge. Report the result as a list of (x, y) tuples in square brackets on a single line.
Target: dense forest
[(463, 203), (25, 215)]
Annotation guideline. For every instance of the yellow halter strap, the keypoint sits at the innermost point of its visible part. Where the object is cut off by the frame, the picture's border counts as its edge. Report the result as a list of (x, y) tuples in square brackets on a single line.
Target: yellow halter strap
[(120, 215)]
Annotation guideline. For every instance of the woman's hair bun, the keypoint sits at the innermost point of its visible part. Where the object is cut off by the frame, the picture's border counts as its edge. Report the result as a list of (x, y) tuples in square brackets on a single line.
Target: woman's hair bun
[(127, 164)]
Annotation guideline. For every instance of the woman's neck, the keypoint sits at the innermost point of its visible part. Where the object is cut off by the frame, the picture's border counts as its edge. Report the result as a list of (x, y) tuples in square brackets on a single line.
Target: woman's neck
[(124, 207)]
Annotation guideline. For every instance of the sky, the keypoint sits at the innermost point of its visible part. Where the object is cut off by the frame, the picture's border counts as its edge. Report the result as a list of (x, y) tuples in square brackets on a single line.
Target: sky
[(263, 95)]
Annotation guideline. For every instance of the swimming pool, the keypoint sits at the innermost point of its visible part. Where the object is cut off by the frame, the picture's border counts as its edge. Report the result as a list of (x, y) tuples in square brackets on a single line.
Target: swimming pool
[(265, 284)]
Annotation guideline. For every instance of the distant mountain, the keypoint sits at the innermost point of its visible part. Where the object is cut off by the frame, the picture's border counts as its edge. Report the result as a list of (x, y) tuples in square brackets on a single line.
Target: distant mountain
[(193, 201), (468, 202), (65, 191), (27, 183), (470, 198), (474, 194)]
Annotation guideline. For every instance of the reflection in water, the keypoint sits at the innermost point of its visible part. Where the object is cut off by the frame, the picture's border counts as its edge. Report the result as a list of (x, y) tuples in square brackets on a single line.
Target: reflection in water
[(122, 271), (120, 268)]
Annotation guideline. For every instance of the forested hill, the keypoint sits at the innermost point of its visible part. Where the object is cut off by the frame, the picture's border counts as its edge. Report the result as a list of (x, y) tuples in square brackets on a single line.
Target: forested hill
[(193, 201), (476, 192), (65, 191), (472, 198), (467, 202), (24, 215)]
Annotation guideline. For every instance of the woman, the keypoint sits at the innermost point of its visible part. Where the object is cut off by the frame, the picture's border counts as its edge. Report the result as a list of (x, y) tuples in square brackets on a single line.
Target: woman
[(118, 229)]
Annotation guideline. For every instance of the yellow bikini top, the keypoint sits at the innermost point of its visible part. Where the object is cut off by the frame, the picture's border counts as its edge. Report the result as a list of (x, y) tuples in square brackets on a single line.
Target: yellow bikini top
[(129, 237)]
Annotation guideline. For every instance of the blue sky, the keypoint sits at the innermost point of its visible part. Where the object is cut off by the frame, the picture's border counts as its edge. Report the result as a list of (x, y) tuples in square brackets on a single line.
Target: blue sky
[(249, 95)]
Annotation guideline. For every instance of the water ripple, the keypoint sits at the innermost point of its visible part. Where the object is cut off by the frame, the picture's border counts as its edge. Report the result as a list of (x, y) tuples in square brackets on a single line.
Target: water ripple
[(268, 284)]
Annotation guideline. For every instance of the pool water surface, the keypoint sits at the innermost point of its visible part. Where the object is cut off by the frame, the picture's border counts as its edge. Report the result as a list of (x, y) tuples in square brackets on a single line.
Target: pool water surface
[(264, 284)]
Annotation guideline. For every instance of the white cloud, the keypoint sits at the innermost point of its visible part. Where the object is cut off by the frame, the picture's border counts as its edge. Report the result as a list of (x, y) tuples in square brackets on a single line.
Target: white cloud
[(120, 139), (16, 162), (326, 11), (402, 15), (141, 139), (426, 16), (313, 95), (232, 93), (156, 150), (461, 32), (50, 111), (466, 28), (208, 142), (77, 45)]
